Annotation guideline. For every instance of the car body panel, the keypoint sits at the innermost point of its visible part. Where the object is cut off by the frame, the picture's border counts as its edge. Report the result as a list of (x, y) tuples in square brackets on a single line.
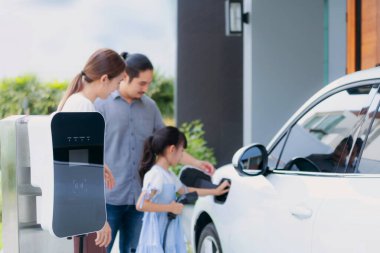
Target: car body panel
[(349, 220)]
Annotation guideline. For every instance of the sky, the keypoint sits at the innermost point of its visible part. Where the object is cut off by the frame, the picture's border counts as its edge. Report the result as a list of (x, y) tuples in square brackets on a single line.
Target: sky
[(54, 38)]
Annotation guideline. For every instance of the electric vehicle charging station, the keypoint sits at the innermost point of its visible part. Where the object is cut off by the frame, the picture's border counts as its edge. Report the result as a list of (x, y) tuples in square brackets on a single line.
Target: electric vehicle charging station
[(52, 180), (66, 152)]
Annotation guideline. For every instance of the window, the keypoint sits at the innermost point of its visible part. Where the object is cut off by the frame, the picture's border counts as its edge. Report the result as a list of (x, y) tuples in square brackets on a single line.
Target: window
[(323, 124), (276, 153), (323, 138), (370, 159)]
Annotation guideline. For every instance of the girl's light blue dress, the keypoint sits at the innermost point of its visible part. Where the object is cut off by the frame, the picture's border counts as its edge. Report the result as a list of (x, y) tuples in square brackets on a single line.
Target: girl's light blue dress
[(166, 184)]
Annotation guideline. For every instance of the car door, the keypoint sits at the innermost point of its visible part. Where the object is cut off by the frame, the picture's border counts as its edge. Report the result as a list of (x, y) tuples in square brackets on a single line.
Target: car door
[(305, 162), (271, 214), (349, 218)]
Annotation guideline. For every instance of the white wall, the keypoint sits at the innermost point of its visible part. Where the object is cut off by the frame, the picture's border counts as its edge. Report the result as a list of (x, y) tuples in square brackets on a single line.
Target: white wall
[(337, 42), (283, 62)]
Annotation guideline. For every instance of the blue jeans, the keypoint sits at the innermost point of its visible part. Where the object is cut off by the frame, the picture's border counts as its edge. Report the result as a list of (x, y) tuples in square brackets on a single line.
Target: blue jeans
[(128, 221)]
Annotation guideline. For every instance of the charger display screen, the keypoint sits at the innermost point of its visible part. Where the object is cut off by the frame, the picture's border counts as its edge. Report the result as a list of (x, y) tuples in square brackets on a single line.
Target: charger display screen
[(78, 156)]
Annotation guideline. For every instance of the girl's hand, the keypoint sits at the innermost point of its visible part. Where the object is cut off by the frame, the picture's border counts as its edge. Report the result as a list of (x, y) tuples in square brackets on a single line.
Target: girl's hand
[(222, 188), (176, 208), (108, 177), (103, 236)]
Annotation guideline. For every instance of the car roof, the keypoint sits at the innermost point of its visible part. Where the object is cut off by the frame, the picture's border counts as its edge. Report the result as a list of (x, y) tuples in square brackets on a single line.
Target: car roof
[(369, 74), (364, 75)]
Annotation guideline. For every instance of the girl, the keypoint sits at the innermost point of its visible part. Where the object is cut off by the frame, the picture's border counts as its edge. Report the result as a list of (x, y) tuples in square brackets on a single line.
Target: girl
[(101, 75), (162, 150)]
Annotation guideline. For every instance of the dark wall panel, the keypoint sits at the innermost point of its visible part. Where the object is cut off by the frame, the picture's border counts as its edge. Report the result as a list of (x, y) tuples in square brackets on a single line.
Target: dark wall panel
[(209, 75)]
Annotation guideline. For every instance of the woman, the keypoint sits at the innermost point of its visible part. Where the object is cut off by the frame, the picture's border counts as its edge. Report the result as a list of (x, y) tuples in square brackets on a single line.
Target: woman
[(102, 74)]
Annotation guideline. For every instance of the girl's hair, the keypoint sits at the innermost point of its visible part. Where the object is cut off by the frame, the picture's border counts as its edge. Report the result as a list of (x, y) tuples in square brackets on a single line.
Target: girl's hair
[(102, 62), (136, 63), (156, 145)]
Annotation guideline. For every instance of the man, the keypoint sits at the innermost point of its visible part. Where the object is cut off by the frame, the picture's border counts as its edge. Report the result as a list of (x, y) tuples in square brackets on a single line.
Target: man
[(131, 117)]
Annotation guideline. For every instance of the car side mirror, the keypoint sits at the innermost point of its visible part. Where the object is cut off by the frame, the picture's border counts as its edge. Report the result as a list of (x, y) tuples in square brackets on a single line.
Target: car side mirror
[(251, 160)]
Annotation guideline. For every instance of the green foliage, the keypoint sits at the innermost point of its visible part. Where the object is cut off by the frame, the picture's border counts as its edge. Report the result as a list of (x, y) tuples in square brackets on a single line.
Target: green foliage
[(1, 238), (161, 90), (27, 95), (196, 144), (1, 204)]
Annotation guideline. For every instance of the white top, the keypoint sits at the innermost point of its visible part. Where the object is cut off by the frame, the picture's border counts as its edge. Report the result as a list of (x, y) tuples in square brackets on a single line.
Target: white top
[(78, 103), (156, 177)]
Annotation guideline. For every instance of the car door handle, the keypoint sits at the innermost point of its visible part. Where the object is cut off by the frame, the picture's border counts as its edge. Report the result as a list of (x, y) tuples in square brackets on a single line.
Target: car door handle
[(301, 212)]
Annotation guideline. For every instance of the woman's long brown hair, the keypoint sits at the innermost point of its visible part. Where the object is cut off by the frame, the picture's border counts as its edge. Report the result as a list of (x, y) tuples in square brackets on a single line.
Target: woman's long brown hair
[(102, 62)]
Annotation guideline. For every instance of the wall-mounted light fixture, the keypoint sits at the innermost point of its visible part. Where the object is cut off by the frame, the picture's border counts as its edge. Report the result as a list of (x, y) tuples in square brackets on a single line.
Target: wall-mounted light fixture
[(235, 17)]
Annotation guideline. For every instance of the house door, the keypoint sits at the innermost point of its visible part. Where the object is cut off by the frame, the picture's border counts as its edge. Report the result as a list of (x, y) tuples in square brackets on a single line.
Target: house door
[(363, 34)]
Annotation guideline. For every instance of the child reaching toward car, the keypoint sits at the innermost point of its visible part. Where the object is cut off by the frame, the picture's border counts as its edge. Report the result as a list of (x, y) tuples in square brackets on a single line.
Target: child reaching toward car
[(160, 185)]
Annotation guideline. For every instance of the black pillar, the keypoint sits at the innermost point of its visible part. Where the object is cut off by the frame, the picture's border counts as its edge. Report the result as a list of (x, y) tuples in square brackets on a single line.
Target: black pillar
[(210, 75)]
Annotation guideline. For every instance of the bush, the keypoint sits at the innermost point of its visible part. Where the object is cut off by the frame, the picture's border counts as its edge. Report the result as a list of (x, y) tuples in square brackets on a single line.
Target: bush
[(27, 95), (196, 144), (161, 91)]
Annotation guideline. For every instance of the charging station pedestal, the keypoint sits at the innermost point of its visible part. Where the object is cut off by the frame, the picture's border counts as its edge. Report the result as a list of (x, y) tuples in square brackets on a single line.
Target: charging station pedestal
[(21, 232)]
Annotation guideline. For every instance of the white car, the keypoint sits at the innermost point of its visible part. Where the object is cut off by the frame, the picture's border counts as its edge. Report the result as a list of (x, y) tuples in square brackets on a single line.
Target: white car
[(314, 188)]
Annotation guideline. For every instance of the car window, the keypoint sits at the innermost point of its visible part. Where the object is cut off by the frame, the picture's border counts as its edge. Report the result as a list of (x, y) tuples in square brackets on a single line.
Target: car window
[(370, 159), (322, 139)]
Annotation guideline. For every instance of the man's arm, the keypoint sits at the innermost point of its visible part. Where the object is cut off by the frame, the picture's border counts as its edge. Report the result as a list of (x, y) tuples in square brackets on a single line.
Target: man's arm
[(204, 165)]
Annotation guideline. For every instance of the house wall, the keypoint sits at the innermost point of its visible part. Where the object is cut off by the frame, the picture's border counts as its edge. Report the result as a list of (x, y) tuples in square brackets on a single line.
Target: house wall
[(210, 75)]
